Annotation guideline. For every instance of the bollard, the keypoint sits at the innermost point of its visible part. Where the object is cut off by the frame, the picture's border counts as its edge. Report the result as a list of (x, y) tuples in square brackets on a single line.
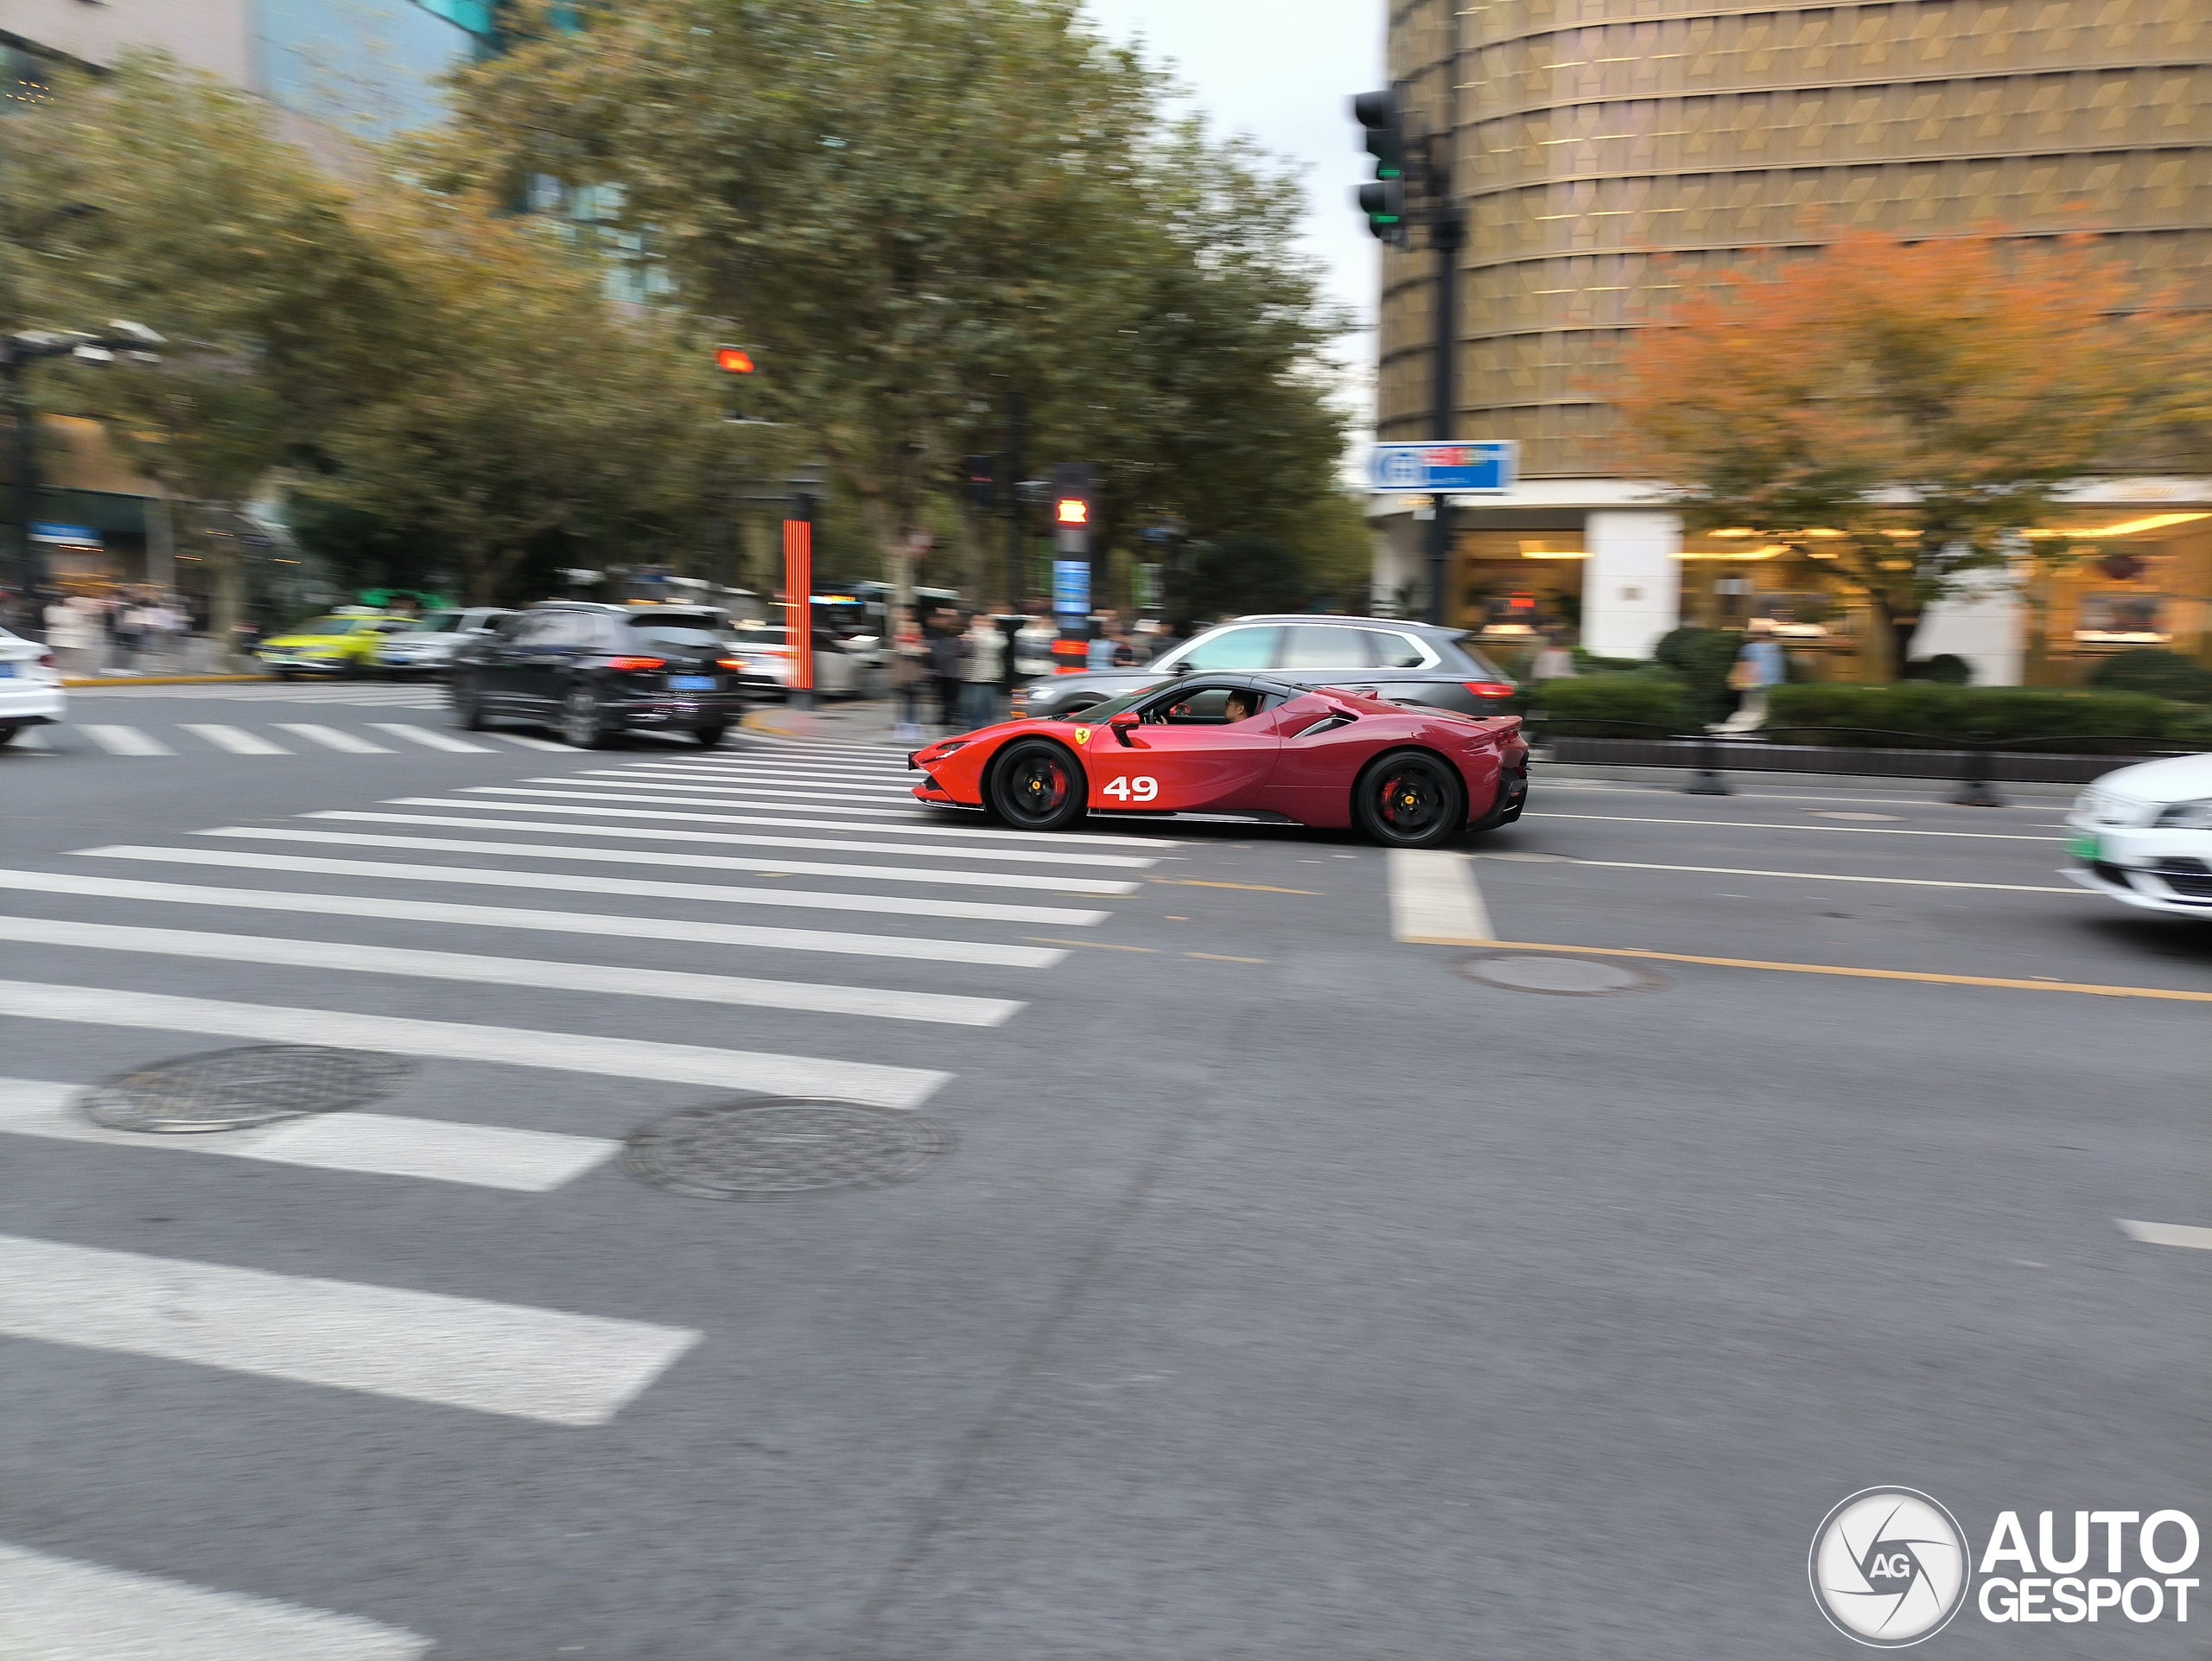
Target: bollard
[(1975, 789), (1708, 781)]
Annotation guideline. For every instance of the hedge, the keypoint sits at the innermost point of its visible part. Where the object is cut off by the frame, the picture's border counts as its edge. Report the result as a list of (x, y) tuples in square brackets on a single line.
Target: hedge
[(2162, 674), (1648, 705), (1923, 715)]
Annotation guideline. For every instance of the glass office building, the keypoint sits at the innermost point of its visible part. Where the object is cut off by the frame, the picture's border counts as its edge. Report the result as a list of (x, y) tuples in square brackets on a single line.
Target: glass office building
[(369, 67)]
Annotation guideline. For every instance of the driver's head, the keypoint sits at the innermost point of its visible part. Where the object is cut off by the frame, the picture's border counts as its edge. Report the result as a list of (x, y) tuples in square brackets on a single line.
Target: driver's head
[(1239, 706)]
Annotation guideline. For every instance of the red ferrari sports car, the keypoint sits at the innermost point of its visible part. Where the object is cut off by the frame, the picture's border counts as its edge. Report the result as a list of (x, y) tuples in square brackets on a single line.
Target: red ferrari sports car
[(1409, 777)]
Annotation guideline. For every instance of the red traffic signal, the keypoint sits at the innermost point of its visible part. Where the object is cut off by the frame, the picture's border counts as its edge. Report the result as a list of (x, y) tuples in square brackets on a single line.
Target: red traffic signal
[(1072, 510), (734, 360)]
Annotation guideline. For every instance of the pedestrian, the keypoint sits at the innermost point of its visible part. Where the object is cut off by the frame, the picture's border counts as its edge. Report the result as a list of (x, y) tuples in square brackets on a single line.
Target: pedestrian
[(1759, 665), (73, 632), (1101, 654), (908, 667), (1554, 662), (947, 648), (985, 661)]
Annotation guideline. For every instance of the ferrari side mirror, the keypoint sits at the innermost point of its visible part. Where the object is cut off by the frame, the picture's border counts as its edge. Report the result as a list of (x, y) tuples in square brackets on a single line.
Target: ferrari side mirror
[(1123, 724)]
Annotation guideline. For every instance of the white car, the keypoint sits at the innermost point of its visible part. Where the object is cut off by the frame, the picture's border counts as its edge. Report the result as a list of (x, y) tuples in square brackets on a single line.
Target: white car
[(764, 651), (2143, 836), (31, 686), (427, 647)]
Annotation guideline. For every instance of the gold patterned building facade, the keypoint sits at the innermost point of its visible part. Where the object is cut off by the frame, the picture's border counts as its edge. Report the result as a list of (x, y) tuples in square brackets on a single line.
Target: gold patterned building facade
[(1606, 150)]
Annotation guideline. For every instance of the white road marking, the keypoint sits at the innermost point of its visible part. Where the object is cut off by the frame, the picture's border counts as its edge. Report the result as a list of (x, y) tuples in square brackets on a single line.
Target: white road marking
[(454, 1041), (891, 790), (737, 991), (56, 1609), (334, 738), (914, 822), (1821, 830), (819, 798), (2167, 1234), (561, 882), (911, 813), (372, 1144), (1029, 855), (418, 1346), (689, 862), (1433, 897), (126, 741), (236, 740), (559, 922), (527, 742), (431, 738), (1823, 876)]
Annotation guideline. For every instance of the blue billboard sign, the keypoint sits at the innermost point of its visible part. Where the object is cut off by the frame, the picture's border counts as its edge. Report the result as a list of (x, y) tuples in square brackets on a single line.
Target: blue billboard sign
[(1481, 466), (1072, 587)]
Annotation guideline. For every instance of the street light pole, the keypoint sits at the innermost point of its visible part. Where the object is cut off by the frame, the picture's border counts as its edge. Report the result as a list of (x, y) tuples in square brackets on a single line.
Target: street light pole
[(1446, 228), (29, 575)]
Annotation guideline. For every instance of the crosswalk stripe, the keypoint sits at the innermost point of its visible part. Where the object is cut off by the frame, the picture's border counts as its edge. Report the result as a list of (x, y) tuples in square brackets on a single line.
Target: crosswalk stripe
[(369, 1144), (820, 747), (944, 1008), (430, 738), (126, 741), (982, 911), (419, 1346), (334, 738), (845, 800), (57, 1609), (1026, 856), (557, 922), (236, 740), (810, 774), (689, 862), (769, 802), (978, 832), (526, 741), (454, 1041)]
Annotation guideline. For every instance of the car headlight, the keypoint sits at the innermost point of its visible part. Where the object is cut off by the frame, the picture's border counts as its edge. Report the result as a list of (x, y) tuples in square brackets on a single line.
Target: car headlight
[(2187, 816)]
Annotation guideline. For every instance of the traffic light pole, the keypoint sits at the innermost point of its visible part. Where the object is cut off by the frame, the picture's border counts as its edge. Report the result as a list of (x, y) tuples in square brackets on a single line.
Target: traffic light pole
[(1445, 233), (29, 574)]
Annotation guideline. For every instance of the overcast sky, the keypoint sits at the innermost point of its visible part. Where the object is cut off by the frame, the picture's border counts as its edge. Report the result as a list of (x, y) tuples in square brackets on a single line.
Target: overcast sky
[(1284, 71)]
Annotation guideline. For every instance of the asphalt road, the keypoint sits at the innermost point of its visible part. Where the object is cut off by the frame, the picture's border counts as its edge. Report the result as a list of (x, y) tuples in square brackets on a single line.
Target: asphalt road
[(1287, 1289)]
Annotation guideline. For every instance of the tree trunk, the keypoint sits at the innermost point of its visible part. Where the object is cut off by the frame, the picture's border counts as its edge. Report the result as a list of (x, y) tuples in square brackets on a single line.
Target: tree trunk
[(227, 606), (1893, 634)]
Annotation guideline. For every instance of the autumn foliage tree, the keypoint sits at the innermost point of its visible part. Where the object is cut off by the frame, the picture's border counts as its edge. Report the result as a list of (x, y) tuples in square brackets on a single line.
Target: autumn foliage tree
[(1894, 414)]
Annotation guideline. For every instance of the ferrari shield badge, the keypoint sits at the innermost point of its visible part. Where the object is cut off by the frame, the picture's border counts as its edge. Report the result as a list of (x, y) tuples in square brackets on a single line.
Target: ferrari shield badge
[(1083, 734)]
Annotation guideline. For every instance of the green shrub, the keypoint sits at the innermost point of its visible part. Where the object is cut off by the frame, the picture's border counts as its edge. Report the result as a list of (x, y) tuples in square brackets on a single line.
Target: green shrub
[(2161, 674), (1590, 664), (1701, 658), (1945, 669), (1647, 705), (1922, 714)]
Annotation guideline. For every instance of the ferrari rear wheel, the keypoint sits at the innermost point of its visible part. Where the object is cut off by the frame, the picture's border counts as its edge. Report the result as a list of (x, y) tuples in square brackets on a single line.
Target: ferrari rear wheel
[(1038, 786), (1411, 798)]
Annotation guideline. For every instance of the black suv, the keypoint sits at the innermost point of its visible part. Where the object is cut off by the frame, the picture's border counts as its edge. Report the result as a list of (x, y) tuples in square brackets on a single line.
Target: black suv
[(1406, 662), (596, 671)]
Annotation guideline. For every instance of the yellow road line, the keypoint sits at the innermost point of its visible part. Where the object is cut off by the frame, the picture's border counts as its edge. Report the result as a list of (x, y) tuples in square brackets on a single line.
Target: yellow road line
[(1247, 888), (1926, 977), (1215, 957), (1094, 945)]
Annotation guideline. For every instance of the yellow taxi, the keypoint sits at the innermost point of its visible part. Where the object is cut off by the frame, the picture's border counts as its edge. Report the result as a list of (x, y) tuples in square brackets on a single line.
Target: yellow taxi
[(343, 643)]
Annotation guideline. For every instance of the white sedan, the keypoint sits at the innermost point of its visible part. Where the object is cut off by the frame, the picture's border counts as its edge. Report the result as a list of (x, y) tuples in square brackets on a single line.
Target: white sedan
[(2143, 836), (31, 686)]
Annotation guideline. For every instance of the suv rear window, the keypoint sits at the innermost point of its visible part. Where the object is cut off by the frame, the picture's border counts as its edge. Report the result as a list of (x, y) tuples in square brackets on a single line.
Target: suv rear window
[(682, 627)]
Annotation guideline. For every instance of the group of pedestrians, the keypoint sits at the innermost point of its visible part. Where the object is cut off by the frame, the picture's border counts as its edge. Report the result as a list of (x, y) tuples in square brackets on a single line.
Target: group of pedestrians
[(122, 632)]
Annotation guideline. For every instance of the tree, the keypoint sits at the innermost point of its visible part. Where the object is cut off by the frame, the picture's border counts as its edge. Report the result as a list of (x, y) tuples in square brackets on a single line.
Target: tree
[(1893, 415), (918, 208)]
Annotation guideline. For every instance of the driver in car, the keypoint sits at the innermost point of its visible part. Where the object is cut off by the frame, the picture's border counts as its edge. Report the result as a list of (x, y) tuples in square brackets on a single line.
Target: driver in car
[(1239, 706)]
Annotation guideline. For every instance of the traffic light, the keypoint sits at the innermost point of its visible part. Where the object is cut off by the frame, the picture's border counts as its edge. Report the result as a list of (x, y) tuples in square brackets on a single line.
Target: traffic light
[(734, 360), (982, 473), (1383, 201)]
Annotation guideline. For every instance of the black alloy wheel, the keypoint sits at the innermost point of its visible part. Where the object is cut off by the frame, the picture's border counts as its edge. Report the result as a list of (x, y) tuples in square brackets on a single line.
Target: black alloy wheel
[(707, 737), (1038, 786), (468, 704), (1411, 798), (583, 722)]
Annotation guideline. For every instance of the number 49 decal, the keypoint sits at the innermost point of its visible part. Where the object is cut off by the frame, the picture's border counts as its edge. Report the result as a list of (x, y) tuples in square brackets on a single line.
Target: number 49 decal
[(1141, 788)]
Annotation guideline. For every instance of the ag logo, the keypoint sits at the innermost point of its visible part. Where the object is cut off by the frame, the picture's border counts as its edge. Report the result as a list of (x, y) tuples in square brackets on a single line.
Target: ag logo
[(1083, 734), (1889, 1567)]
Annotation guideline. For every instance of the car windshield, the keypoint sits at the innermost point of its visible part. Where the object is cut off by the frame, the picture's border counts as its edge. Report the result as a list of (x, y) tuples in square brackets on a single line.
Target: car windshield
[(760, 634), (1098, 712), (440, 622), (329, 626), (682, 627)]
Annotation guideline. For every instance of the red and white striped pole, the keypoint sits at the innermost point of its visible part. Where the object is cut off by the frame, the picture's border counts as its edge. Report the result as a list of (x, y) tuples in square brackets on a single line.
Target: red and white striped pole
[(798, 602)]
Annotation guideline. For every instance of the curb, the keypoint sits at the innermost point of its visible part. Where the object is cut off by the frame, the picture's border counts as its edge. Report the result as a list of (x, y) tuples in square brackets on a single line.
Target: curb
[(165, 680)]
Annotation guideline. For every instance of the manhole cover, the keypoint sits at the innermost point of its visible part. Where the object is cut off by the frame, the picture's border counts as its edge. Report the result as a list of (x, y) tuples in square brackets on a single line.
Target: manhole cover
[(231, 1090), (1585, 978), (772, 1149)]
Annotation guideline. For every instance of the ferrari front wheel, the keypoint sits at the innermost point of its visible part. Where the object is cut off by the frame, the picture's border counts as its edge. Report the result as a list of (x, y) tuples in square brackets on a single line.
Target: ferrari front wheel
[(1038, 786), (1411, 798)]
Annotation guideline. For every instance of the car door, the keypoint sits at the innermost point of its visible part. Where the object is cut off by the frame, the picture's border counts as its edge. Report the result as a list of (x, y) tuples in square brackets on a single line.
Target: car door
[(498, 666), (543, 657), (1185, 758)]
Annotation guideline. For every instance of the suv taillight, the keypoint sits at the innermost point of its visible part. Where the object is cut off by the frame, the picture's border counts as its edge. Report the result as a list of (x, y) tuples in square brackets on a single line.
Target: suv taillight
[(729, 662), (637, 665), (1489, 689)]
